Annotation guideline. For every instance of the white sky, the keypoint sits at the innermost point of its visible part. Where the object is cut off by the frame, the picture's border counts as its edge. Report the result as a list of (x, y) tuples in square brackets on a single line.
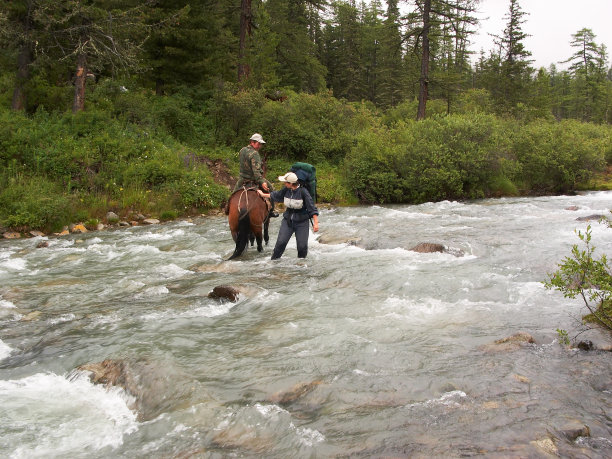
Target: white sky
[(550, 23)]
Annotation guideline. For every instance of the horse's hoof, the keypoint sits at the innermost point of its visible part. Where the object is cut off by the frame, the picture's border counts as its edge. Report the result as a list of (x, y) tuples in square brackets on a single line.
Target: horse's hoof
[(273, 214)]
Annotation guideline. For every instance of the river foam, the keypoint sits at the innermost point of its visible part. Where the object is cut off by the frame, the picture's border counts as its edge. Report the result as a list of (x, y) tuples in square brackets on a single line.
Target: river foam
[(49, 415)]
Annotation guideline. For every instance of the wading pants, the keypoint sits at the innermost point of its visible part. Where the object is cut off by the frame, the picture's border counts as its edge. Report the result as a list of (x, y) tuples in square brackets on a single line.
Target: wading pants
[(287, 228)]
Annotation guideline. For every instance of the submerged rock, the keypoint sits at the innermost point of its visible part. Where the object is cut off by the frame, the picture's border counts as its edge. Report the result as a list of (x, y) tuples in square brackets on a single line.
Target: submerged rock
[(589, 218), (333, 239), (573, 429), (294, 393), (157, 387), (224, 292), (427, 247), (510, 343), (431, 247)]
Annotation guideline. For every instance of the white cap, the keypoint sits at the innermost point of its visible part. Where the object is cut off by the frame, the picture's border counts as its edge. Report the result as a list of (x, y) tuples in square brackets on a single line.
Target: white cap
[(288, 177), (257, 138)]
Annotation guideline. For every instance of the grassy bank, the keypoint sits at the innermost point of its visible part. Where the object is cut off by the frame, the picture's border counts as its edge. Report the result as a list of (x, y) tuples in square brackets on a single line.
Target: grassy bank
[(132, 152)]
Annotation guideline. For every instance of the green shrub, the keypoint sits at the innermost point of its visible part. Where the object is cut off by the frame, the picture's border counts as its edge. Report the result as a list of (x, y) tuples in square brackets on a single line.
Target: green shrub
[(449, 157), (555, 157), (304, 127), (168, 215), (196, 189), (33, 203), (581, 275)]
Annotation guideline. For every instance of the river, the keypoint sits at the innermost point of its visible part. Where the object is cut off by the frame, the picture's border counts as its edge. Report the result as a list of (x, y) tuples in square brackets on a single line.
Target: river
[(364, 349)]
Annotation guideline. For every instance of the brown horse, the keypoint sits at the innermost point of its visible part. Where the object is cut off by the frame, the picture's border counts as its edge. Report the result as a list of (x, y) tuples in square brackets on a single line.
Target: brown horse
[(248, 217)]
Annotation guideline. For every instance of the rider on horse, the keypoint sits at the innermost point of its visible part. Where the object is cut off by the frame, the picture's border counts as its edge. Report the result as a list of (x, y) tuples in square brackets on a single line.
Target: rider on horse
[(251, 169)]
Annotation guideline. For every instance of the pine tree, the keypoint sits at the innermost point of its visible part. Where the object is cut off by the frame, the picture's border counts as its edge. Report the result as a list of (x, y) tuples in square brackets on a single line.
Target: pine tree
[(515, 69), (296, 54), (588, 67), (92, 36), (432, 20), (20, 33)]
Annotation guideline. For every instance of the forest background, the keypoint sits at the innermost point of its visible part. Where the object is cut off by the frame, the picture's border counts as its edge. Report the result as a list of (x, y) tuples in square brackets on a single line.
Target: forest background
[(141, 106)]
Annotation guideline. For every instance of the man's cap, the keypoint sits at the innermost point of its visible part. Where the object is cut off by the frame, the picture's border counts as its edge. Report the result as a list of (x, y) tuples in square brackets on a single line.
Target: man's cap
[(257, 138), (288, 177)]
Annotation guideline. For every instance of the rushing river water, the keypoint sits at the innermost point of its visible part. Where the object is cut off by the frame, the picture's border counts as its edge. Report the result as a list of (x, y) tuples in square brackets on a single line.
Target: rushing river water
[(363, 349)]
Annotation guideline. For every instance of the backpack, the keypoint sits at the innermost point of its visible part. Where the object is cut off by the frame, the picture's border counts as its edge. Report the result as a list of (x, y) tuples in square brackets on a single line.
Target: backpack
[(307, 177)]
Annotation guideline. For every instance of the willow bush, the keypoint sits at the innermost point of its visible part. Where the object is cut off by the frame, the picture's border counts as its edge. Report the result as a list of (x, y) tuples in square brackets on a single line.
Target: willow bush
[(446, 157), (471, 156)]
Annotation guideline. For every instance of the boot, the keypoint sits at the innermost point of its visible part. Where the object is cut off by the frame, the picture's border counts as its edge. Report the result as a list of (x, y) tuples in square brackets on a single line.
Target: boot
[(273, 213)]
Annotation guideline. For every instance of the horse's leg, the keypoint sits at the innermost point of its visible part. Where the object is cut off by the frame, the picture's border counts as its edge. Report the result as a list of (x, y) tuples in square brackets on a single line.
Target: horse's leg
[(266, 236), (243, 233), (256, 231), (252, 238)]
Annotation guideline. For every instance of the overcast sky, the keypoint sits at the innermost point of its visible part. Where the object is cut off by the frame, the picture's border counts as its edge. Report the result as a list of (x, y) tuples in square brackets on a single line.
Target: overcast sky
[(550, 23)]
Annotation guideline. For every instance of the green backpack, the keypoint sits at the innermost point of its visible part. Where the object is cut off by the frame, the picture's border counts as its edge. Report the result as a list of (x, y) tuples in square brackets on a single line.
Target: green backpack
[(307, 177)]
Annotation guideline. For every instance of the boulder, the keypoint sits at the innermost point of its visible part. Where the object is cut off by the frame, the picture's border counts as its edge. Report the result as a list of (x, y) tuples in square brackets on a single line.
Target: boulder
[(112, 217), (34, 315), (157, 387), (42, 244), (590, 217), (150, 221), (79, 229), (585, 345), (224, 292), (37, 233), (330, 238), (573, 429), (292, 394), (520, 337), (510, 343), (11, 235), (572, 208), (427, 247)]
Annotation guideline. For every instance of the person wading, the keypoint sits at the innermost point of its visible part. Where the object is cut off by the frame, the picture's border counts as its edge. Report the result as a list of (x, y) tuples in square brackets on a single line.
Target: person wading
[(300, 208)]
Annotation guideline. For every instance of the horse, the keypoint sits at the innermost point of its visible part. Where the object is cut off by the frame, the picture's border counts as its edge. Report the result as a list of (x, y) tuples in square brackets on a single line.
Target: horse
[(248, 217)]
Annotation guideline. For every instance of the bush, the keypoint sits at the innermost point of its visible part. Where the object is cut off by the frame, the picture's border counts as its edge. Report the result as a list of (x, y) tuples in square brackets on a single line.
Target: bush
[(33, 203), (304, 127), (555, 157), (587, 277), (196, 189), (438, 158)]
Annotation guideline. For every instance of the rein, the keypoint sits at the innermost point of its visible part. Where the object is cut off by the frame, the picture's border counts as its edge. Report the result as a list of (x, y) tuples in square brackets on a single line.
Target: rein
[(246, 198)]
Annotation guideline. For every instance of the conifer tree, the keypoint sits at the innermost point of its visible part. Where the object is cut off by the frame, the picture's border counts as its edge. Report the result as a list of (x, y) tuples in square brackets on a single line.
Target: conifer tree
[(299, 66), (391, 81), (93, 35), (428, 22), (19, 33), (588, 67), (515, 69)]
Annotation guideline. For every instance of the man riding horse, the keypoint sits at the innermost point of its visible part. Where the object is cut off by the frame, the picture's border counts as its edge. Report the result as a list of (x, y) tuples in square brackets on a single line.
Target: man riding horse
[(251, 169)]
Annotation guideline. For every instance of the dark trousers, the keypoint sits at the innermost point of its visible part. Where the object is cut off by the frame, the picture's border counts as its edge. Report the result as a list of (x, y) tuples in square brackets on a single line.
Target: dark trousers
[(287, 229)]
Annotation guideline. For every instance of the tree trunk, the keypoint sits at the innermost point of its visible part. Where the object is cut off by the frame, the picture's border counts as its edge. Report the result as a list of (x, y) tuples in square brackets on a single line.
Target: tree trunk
[(80, 79), (245, 31), (424, 79), (23, 72)]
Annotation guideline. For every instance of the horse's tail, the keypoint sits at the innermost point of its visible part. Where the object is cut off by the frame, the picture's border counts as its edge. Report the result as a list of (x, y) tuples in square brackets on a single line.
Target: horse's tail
[(244, 228)]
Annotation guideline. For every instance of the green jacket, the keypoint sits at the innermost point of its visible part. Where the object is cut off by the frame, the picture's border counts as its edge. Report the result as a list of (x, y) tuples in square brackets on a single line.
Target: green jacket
[(250, 166)]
